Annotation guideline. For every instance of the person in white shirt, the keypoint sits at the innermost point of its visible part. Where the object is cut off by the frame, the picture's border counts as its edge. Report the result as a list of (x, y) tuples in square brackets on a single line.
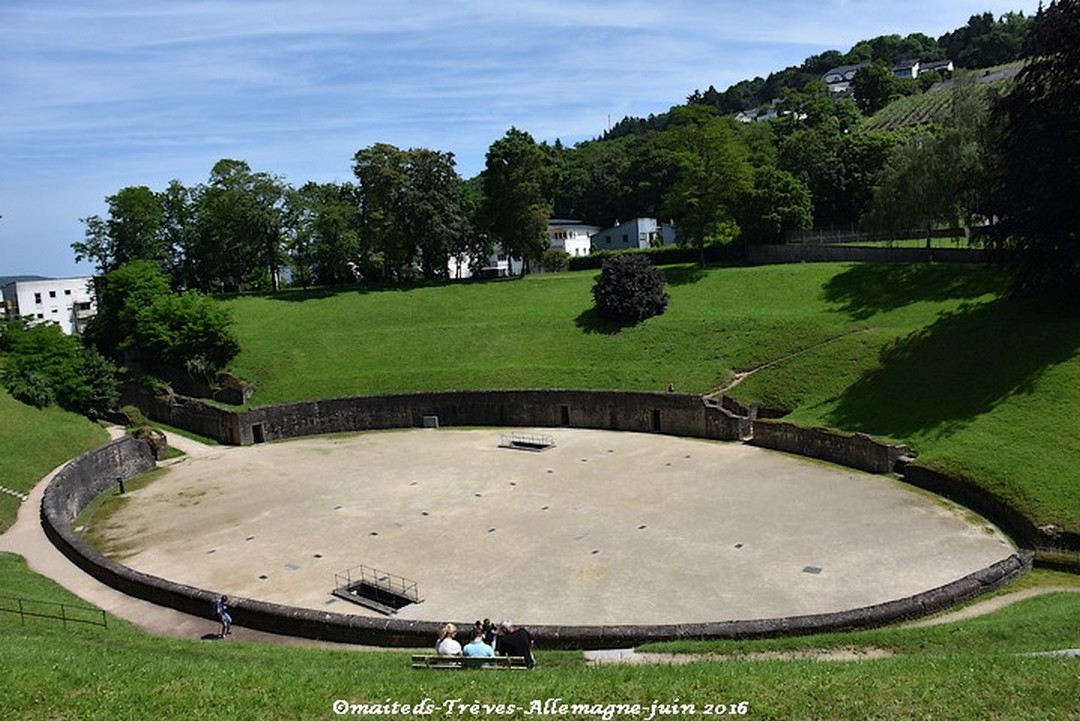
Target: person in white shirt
[(447, 645)]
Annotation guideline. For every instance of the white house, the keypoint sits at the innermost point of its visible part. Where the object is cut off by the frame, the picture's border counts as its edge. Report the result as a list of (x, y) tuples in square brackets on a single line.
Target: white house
[(636, 233), (945, 67), (572, 236), (839, 79), (68, 302), (496, 265), (907, 69)]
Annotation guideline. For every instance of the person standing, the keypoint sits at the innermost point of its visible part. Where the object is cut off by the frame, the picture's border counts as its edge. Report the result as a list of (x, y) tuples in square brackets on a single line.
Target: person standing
[(221, 611)]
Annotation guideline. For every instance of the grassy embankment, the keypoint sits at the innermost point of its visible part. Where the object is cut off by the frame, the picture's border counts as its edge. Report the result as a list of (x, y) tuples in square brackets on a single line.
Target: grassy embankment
[(33, 442), (959, 671), (932, 355)]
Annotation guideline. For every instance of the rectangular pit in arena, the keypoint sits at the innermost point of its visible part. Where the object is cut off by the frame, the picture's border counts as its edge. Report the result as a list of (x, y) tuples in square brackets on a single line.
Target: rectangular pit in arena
[(378, 590), (527, 442)]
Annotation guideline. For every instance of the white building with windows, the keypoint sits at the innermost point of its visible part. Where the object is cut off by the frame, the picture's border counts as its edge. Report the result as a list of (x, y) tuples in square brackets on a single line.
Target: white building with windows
[(636, 233), (572, 236), (68, 302)]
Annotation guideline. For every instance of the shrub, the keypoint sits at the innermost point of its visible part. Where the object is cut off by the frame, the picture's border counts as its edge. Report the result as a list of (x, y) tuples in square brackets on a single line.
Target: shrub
[(629, 288), (555, 260), (45, 366)]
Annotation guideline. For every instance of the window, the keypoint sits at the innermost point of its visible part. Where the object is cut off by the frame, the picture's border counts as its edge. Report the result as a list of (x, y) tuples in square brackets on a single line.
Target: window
[(41, 316), (67, 291), (37, 297), (52, 293)]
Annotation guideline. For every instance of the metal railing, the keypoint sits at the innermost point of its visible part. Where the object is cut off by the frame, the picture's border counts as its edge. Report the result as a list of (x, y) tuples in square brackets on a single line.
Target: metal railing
[(526, 440), (373, 577), (64, 612)]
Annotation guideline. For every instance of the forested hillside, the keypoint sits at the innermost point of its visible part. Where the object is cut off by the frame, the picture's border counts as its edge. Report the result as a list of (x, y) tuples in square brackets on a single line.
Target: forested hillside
[(408, 214)]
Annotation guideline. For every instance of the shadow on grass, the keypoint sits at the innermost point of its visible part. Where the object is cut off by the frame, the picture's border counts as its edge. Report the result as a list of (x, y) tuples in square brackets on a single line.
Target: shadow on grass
[(589, 321), (299, 295), (870, 288), (683, 274), (966, 363)]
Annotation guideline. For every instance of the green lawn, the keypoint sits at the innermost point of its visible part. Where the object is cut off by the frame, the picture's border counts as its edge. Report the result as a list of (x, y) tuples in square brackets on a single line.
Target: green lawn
[(33, 442), (932, 355), (957, 672)]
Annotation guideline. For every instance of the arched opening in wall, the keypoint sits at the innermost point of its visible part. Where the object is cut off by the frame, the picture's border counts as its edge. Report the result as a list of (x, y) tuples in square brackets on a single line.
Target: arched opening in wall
[(257, 433)]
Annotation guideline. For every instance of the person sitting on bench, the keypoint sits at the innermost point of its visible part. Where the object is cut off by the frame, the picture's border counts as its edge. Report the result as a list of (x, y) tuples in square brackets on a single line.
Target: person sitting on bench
[(447, 645), (477, 647), (514, 641)]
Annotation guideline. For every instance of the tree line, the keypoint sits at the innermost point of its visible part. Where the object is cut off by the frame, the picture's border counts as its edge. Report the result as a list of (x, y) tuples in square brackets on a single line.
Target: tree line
[(408, 213), (1007, 159)]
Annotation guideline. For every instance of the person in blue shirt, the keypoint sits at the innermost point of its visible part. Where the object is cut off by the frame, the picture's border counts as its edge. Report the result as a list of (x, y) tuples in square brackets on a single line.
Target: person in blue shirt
[(221, 610), (477, 647)]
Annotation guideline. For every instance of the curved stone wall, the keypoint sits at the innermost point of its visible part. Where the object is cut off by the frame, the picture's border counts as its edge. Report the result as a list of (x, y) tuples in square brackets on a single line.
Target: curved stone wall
[(86, 476), (681, 414)]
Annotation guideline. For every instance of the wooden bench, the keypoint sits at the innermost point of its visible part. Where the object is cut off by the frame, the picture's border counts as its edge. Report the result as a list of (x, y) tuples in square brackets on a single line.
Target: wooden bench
[(456, 663)]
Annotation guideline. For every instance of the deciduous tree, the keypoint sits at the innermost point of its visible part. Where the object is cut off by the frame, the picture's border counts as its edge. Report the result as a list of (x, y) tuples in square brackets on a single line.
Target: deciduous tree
[(133, 230), (714, 173), (1038, 233), (629, 288), (45, 366), (138, 311), (779, 202), (516, 209), (238, 228)]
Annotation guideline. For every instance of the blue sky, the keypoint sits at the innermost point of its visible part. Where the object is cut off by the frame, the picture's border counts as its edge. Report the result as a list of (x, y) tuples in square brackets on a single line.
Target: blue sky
[(96, 95)]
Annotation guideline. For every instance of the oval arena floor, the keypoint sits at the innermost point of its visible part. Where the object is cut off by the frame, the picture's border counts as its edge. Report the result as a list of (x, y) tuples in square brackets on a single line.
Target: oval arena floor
[(601, 528)]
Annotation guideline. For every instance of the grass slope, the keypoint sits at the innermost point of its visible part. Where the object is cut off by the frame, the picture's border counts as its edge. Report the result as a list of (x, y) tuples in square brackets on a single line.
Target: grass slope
[(33, 442), (929, 354), (932, 355), (538, 332), (960, 672)]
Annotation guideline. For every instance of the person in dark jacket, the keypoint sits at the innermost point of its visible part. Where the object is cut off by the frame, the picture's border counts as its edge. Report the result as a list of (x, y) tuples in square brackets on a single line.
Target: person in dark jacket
[(514, 641)]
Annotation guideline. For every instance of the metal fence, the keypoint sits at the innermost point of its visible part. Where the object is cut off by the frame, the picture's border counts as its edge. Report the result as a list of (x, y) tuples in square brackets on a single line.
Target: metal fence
[(844, 234), (374, 578), (64, 612)]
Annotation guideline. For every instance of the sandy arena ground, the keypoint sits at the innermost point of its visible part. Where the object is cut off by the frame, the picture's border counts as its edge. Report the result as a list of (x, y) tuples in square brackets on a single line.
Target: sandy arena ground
[(602, 528)]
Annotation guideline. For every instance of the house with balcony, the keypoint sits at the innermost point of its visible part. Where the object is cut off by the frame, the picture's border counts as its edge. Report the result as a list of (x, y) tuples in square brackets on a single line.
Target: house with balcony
[(68, 302), (572, 236)]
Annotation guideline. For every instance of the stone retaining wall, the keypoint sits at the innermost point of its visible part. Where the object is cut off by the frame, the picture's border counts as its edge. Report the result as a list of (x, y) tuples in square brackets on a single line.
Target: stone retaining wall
[(989, 506), (681, 414), (855, 451), (86, 476)]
